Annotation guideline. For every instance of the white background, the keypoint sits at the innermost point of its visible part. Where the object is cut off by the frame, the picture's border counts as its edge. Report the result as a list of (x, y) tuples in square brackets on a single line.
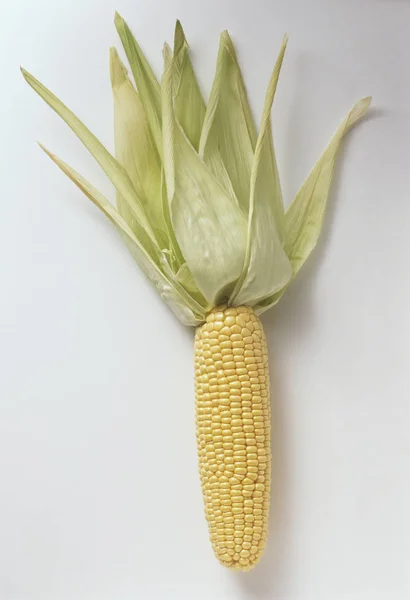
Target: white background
[(99, 494)]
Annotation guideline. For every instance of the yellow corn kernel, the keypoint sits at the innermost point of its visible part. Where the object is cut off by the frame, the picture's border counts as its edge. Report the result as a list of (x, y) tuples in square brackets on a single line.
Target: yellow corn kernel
[(233, 433)]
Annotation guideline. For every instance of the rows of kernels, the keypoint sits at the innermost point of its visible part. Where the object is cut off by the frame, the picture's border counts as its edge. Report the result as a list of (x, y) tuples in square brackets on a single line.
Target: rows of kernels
[(233, 433)]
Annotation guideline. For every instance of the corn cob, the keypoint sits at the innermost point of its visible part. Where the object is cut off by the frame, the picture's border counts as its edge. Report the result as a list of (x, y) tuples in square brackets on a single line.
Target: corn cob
[(199, 205), (233, 433)]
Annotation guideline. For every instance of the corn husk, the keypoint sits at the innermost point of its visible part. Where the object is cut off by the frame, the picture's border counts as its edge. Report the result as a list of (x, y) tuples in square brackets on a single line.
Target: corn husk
[(199, 201)]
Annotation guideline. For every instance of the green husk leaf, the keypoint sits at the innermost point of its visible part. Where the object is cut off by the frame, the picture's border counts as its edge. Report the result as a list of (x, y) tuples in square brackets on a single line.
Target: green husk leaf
[(268, 169), (188, 102), (111, 167), (209, 226), (146, 82), (134, 147), (150, 247), (304, 217), (174, 295), (167, 55), (266, 267), (228, 136), (175, 260), (186, 279), (176, 256)]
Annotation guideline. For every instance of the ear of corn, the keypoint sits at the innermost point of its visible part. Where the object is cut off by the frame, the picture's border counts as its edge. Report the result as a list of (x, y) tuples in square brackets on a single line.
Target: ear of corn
[(199, 205), (233, 433)]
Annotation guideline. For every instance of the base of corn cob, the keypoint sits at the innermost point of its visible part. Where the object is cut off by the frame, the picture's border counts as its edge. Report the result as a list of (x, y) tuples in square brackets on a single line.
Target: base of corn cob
[(233, 433)]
